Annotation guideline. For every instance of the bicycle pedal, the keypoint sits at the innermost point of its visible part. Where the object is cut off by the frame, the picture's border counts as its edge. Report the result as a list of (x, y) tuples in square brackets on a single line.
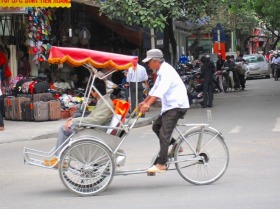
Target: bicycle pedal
[(151, 173)]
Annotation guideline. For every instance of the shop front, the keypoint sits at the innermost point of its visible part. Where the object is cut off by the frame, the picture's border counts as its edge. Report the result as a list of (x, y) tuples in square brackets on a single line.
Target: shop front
[(29, 32), (26, 36)]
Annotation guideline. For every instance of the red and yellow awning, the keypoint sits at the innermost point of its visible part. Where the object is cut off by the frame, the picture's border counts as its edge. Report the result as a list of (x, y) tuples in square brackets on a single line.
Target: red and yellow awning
[(35, 3), (98, 59)]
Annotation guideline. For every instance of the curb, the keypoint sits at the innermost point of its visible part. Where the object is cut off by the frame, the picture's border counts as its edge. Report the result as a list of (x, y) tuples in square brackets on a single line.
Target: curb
[(139, 123), (53, 134)]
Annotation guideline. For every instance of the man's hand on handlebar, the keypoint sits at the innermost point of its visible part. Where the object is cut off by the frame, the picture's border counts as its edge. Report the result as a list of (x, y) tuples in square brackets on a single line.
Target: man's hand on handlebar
[(143, 108)]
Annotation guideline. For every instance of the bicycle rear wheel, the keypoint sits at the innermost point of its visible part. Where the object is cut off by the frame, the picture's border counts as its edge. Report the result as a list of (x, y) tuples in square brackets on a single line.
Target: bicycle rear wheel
[(86, 168), (201, 163)]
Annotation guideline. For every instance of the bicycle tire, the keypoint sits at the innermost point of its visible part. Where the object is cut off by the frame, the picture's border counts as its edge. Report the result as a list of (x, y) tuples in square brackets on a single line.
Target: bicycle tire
[(86, 168), (225, 86), (214, 151)]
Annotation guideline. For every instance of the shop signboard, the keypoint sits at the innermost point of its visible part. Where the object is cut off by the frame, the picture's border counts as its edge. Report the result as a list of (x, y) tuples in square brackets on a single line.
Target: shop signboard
[(35, 3), (12, 10)]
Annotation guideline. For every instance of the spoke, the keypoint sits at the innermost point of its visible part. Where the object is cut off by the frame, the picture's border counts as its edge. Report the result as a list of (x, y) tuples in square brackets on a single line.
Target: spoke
[(206, 166), (90, 168), (209, 141)]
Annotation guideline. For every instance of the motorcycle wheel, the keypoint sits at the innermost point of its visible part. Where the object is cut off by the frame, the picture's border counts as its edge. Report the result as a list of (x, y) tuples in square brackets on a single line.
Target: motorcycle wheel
[(225, 86), (276, 74)]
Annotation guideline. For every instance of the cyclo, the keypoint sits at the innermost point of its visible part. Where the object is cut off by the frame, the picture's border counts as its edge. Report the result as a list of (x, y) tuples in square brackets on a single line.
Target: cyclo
[(91, 157)]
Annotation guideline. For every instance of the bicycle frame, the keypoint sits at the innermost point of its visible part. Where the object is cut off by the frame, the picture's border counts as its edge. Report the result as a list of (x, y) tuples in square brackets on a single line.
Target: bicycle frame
[(181, 137)]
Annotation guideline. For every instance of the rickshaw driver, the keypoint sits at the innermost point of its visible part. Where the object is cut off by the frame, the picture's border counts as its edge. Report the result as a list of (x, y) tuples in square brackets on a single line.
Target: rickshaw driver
[(170, 88), (100, 115)]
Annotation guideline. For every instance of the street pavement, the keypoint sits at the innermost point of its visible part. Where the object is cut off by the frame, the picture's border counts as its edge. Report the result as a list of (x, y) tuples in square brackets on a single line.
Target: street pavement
[(248, 120), (25, 130)]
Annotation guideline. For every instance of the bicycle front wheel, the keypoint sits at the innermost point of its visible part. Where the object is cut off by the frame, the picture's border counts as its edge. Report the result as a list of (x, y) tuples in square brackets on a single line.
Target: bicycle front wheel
[(202, 156)]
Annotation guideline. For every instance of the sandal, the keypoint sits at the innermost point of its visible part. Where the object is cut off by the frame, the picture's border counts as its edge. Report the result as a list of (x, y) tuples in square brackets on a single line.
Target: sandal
[(154, 169)]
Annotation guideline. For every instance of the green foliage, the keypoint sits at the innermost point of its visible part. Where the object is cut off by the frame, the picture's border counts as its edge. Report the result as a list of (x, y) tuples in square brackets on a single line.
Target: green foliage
[(244, 13), (278, 45), (269, 12), (154, 13), (263, 11)]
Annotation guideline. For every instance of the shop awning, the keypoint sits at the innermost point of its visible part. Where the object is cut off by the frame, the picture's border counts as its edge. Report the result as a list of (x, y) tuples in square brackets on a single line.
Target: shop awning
[(130, 34), (36, 3), (191, 25), (98, 59)]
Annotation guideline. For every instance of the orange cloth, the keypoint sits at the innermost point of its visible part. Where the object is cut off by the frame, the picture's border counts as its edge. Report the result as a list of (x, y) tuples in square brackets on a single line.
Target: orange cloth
[(121, 107)]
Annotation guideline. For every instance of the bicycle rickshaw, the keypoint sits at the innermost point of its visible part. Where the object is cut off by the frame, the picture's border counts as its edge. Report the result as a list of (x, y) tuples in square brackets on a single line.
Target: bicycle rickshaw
[(90, 157)]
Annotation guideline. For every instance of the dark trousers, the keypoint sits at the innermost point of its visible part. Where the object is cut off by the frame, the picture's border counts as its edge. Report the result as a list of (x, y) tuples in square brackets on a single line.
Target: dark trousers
[(163, 127), (1, 108), (272, 69), (236, 79), (132, 86), (207, 94), (242, 80)]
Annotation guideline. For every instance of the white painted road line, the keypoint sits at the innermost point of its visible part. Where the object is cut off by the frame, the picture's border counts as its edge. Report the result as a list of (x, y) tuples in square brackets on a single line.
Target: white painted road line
[(235, 130), (277, 125)]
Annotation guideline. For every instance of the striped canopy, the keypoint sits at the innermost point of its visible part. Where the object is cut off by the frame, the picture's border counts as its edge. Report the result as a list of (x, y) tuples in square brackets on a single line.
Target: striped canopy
[(98, 59)]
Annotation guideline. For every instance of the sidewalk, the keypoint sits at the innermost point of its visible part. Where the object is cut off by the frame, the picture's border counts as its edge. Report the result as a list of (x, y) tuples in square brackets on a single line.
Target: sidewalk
[(23, 130)]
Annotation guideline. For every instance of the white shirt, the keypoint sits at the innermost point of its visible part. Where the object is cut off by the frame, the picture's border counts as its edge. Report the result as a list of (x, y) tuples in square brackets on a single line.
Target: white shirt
[(141, 75), (170, 88), (276, 60)]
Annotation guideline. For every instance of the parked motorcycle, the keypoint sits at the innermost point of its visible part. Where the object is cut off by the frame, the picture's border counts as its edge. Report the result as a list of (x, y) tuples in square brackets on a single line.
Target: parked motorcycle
[(194, 89), (227, 79), (242, 73), (216, 86), (195, 97)]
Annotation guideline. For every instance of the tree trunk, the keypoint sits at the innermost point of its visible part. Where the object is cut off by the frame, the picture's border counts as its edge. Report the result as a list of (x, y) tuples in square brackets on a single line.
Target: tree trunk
[(194, 50), (169, 39), (272, 30), (172, 40), (166, 52), (275, 42)]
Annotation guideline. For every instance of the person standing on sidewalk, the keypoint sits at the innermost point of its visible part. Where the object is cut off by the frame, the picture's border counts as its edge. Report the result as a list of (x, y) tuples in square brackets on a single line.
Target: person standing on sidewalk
[(207, 73), (135, 77), (170, 88), (219, 65)]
